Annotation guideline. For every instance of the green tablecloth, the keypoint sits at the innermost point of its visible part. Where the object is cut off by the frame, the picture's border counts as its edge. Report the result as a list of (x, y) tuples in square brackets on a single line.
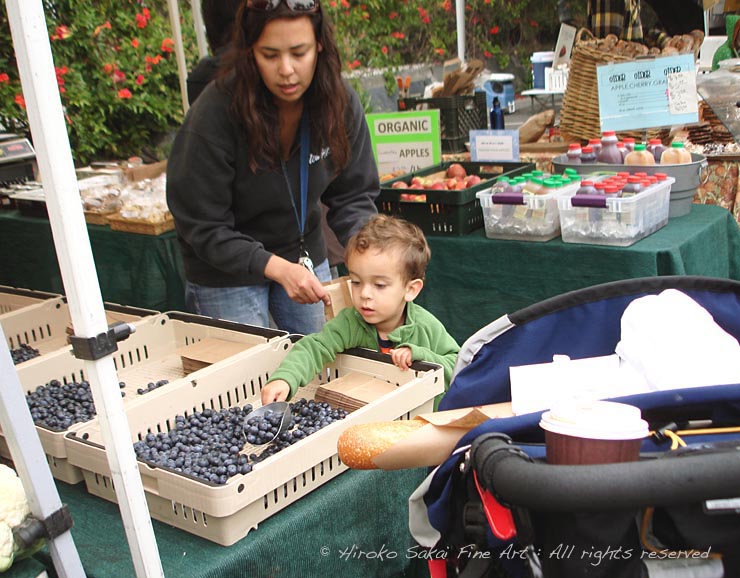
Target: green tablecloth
[(315, 536), (138, 270), (473, 280)]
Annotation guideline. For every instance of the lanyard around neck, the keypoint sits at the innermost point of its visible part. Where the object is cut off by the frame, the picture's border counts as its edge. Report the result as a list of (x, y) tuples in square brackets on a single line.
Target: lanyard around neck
[(304, 154)]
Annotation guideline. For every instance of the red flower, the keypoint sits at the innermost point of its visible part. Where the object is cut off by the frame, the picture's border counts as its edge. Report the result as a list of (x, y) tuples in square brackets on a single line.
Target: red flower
[(61, 33), (448, 6), (345, 4), (99, 29), (4, 77), (62, 90), (148, 68), (392, 15), (333, 4), (124, 93), (494, 29), (146, 13), (168, 45), (135, 42), (439, 51), (118, 76), (141, 21), (140, 79), (534, 24), (398, 35), (487, 54), (20, 101), (384, 50)]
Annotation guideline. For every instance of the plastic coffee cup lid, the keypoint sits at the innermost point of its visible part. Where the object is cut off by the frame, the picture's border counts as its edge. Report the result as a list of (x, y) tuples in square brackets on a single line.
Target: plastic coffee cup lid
[(601, 420)]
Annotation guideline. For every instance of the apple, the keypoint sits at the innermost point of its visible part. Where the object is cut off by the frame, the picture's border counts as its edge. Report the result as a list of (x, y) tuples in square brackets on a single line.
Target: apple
[(399, 185), (416, 181), (438, 185), (460, 185), (456, 170), (472, 180), (416, 186), (451, 184)]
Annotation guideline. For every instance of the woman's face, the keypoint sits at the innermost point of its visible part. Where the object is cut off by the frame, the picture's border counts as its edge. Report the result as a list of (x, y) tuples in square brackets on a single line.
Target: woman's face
[(286, 54)]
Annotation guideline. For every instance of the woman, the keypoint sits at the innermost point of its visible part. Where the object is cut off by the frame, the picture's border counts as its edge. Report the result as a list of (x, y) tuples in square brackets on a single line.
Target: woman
[(278, 132)]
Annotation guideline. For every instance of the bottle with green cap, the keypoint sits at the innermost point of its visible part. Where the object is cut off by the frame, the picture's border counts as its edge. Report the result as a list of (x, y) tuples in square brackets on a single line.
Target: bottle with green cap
[(676, 155), (639, 156)]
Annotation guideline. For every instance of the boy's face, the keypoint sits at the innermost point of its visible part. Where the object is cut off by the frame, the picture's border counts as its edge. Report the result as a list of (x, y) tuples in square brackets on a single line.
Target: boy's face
[(379, 291)]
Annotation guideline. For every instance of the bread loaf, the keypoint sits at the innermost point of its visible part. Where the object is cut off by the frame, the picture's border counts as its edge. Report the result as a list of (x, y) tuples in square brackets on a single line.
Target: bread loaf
[(359, 444)]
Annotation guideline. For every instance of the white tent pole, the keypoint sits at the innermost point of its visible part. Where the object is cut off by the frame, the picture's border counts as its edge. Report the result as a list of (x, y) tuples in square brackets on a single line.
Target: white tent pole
[(200, 28), (460, 20), (179, 51), (31, 465), (54, 156)]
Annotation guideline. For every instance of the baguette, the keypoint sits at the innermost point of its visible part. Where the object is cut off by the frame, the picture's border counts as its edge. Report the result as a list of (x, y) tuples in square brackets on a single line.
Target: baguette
[(358, 445)]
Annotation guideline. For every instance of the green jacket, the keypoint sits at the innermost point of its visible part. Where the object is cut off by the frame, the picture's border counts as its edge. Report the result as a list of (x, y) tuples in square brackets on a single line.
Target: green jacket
[(423, 333)]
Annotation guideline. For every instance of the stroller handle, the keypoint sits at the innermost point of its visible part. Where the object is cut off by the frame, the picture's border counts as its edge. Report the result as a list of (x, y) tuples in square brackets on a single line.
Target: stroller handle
[(515, 480)]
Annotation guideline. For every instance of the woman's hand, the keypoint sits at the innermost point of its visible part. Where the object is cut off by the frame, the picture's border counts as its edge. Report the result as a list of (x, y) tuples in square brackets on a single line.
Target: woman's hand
[(277, 390), (299, 283)]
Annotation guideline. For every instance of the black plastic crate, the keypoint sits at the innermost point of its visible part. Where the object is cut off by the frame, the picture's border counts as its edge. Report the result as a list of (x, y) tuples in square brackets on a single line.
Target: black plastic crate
[(444, 212), (458, 115)]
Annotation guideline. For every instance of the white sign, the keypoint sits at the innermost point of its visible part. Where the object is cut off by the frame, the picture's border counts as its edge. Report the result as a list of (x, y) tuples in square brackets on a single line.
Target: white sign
[(494, 145)]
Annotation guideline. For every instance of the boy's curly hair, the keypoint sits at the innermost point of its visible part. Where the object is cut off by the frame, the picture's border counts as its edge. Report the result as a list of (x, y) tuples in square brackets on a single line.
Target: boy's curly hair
[(385, 233)]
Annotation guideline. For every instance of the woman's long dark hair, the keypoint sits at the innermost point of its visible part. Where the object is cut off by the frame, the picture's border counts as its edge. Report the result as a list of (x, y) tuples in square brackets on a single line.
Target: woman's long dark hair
[(253, 104)]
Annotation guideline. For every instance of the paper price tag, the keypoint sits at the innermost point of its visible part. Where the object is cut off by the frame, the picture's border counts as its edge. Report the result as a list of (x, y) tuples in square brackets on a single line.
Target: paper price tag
[(682, 93)]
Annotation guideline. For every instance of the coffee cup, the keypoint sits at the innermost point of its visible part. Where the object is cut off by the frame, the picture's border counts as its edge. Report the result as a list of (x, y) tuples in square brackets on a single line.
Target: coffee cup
[(593, 432)]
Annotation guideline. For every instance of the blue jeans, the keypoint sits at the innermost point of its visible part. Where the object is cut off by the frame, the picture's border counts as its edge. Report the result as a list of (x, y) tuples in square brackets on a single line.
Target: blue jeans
[(254, 304)]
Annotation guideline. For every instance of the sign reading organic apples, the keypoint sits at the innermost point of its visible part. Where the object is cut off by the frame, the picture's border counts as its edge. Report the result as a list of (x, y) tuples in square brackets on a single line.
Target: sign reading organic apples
[(404, 142)]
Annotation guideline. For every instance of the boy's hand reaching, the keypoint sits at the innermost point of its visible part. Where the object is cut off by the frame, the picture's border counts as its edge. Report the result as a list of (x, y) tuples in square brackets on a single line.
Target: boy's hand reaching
[(402, 357), (277, 390)]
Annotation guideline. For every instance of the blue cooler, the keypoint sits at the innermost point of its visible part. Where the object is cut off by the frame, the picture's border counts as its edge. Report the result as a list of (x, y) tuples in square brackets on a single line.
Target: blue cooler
[(502, 86), (540, 61)]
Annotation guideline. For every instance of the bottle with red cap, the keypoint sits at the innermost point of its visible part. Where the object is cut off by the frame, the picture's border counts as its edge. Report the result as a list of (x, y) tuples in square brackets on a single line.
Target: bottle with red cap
[(656, 147), (574, 153), (595, 144), (588, 156), (609, 152)]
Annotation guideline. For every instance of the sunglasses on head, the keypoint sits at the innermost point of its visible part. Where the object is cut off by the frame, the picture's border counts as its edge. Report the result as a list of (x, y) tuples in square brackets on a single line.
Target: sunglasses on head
[(306, 6)]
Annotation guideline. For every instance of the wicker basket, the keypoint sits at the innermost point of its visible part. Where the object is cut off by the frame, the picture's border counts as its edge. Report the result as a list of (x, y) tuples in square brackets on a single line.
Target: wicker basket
[(579, 116)]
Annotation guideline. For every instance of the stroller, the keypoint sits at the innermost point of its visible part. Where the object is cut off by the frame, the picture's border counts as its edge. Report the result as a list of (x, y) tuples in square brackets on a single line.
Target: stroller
[(495, 508)]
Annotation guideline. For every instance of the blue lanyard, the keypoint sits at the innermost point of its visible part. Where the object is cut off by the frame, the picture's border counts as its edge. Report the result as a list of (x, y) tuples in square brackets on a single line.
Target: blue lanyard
[(304, 153)]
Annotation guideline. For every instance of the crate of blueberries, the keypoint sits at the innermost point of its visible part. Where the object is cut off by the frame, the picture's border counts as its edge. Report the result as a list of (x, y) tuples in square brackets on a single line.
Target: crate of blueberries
[(13, 298), (59, 395), (43, 326), (203, 459)]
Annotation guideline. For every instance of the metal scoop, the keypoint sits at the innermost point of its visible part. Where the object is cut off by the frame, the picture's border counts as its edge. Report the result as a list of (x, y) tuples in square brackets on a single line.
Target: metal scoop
[(281, 408)]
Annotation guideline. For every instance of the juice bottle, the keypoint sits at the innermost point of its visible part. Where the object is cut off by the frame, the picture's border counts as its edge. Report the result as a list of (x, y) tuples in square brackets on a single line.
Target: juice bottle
[(639, 156), (595, 144), (622, 150), (574, 153), (629, 143), (609, 152), (588, 156), (676, 155), (632, 187), (586, 188), (656, 147)]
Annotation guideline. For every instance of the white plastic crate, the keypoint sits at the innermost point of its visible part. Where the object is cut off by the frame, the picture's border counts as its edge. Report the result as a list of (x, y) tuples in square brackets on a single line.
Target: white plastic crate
[(44, 325), (226, 513), (616, 221), (12, 299), (149, 354), (523, 216)]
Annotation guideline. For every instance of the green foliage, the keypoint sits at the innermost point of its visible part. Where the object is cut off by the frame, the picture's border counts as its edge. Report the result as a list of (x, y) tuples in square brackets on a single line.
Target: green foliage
[(116, 70), (389, 34)]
